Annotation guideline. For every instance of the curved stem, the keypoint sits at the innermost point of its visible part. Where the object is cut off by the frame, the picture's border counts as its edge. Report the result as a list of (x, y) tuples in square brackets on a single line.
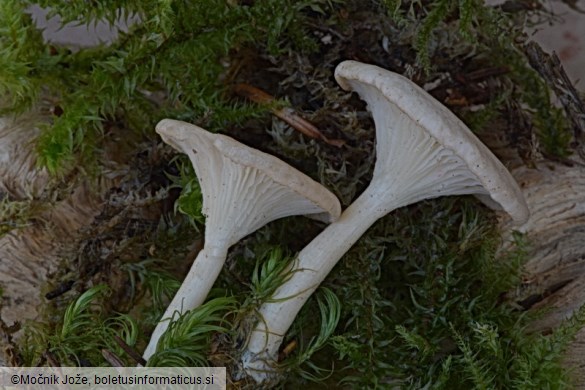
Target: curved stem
[(314, 263), (193, 291)]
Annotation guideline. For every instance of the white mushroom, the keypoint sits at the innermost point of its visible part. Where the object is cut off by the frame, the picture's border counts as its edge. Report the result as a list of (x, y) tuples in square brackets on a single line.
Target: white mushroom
[(243, 189), (423, 151)]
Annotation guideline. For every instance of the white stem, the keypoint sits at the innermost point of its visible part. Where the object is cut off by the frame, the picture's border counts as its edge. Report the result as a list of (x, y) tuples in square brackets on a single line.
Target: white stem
[(314, 263), (193, 291)]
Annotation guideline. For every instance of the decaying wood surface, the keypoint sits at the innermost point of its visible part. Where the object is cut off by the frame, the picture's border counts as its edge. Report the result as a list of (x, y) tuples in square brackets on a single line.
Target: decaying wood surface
[(19, 176), (555, 234), (28, 254), (554, 275)]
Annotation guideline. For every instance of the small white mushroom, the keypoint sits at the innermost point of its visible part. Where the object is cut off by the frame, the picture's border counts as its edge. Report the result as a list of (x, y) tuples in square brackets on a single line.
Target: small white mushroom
[(423, 151), (243, 189)]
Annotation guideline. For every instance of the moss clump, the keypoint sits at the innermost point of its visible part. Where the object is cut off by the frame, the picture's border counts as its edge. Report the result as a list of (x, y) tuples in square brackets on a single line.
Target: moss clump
[(178, 48), (425, 305), (187, 341), (442, 25), (78, 338), (14, 214)]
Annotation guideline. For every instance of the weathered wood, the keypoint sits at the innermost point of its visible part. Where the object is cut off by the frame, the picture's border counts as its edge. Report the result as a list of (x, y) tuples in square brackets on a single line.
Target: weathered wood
[(28, 254), (554, 275), (19, 176)]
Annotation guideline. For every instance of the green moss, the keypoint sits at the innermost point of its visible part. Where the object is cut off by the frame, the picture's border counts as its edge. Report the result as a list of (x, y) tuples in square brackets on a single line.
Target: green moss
[(186, 343), (14, 214), (21, 50), (80, 335), (190, 201), (498, 36), (178, 47), (425, 305), (419, 301)]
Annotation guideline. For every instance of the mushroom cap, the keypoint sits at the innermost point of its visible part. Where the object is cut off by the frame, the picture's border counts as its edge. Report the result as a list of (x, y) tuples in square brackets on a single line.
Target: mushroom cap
[(243, 188), (423, 149)]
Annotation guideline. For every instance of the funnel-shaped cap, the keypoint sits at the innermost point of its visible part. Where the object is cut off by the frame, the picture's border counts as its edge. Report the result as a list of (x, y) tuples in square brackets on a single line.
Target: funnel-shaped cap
[(423, 150), (244, 189)]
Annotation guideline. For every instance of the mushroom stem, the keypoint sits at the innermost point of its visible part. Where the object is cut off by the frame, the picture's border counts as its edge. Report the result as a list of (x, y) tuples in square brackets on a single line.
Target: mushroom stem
[(423, 151), (243, 189), (313, 264), (193, 291)]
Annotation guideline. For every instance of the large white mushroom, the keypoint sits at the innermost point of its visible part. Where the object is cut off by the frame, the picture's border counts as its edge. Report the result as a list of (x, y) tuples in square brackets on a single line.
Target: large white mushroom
[(243, 189), (423, 151)]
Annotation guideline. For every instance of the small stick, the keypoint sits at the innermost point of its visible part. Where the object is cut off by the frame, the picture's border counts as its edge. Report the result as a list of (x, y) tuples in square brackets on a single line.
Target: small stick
[(111, 358), (61, 289), (290, 347), (52, 360), (130, 351), (286, 114)]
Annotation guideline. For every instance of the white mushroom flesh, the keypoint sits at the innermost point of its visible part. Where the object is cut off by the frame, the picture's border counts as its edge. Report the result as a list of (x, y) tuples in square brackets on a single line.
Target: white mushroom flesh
[(243, 189), (423, 151)]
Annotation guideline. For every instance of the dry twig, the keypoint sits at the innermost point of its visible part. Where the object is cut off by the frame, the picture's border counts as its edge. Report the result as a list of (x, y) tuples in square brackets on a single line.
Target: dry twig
[(286, 114)]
